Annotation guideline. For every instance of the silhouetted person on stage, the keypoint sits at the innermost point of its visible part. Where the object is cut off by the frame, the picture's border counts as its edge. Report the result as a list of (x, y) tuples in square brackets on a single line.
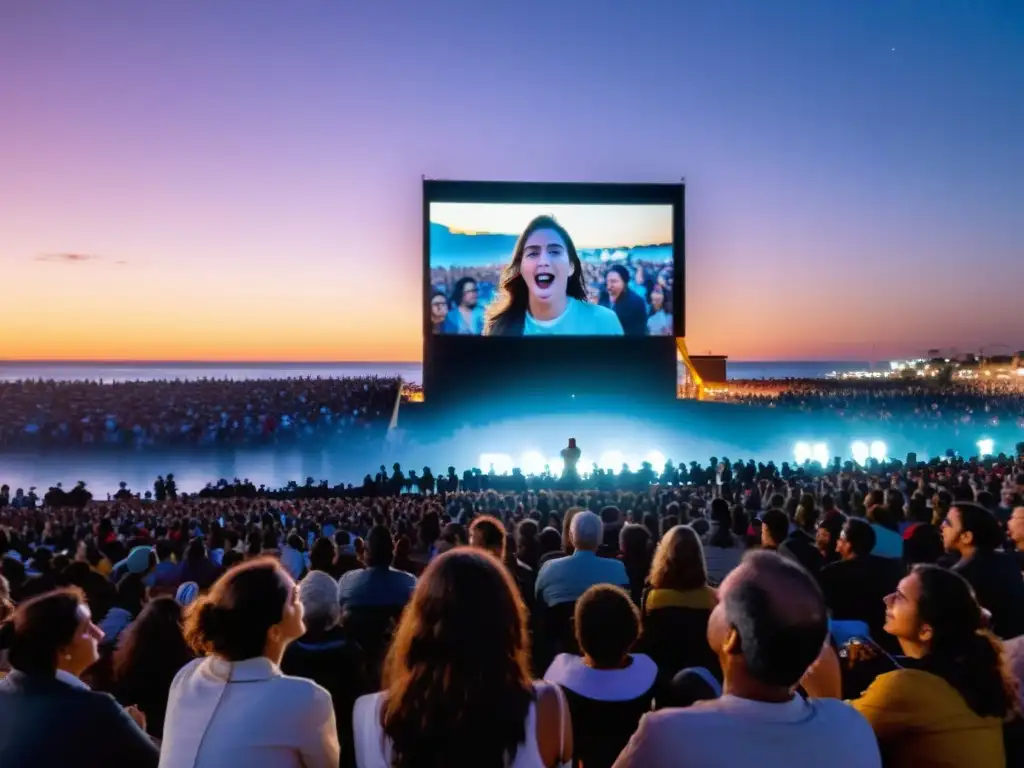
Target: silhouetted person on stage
[(570, 457)]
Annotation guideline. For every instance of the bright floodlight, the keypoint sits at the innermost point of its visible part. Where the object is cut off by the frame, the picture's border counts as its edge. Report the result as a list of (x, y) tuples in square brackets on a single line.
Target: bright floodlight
[(656, 459), (611, 461), (501, 462), (557, 465), (986, 446), (819, 453), (860, 452), (532, 463), (802, 453), (879, 450)]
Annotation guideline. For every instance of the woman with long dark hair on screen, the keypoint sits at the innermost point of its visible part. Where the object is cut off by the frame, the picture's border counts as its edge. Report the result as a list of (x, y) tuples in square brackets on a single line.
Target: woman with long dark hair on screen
[(659, 319), (543, 292)]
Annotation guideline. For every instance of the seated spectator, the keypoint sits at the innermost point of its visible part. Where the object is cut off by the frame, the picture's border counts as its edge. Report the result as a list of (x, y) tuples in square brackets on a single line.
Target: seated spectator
[(322, 555), (888, 541), (293, 557), (722, 549), (327, 656), (774, 529), (677, 608), (48, 716), (151, 651), (488, 533), (166, 575), (567, 547), (131, 597), (800, 545), (830, 527), (197, 565), (973, 532), (948, 705), (566, 579), (378, 584), (922, 545), (241, 630), (457, 688), (608, 688), (768, 628), (855, 587), (636, 554), (528, 547)]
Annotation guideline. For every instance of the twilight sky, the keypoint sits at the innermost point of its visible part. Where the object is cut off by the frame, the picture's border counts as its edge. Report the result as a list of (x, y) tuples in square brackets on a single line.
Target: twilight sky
[(240, 179)]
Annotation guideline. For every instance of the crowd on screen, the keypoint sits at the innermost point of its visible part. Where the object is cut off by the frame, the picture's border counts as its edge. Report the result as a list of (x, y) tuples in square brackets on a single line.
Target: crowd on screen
[(194, 412), (967, 403), (460, 296), (747, 614)]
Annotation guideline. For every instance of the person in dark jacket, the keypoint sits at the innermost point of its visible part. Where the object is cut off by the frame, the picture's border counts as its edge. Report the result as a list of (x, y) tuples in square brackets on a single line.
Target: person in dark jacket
[(48, 716), (628, 306), (856, 586), (973, 532), (151, 652), (328, 656), (801, 544)]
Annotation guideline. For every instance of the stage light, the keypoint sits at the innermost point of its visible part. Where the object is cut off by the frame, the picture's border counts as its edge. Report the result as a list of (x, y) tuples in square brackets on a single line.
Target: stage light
[(532, 463), (819, 453), (556, 465), (656, 459), (879, 450), (501, 462), (860, 452), (611, 461), (802, 453), (986, 447)]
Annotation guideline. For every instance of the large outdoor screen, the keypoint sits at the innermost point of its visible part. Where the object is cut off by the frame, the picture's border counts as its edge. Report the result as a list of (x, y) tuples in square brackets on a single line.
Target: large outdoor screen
[(537, 269)]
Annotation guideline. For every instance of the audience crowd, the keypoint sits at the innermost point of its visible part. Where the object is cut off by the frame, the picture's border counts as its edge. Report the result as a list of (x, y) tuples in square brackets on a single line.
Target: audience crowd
[(161, 414), (925, 405), (747, 614)]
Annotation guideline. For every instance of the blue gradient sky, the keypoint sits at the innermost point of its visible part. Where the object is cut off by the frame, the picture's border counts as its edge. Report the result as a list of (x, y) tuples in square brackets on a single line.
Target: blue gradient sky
[(854, 169)]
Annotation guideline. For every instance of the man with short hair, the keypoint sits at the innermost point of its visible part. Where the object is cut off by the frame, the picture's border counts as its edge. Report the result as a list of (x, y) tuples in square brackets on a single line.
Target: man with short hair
[(855, 586), (973, 532), (486, 532), (378, 584), (774, 529), (566, 579), (768, 628)]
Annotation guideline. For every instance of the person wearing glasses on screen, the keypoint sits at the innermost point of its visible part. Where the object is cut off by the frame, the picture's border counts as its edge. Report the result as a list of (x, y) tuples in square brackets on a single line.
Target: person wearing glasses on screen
[(439, 322), (466, 317), (543, 292)]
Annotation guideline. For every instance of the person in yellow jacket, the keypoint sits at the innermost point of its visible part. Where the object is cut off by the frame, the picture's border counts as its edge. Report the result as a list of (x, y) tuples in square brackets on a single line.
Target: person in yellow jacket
[(948, 704)]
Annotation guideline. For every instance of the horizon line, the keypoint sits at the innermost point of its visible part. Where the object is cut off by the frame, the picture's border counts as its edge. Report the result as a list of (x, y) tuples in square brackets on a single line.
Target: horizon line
[(99, 361)]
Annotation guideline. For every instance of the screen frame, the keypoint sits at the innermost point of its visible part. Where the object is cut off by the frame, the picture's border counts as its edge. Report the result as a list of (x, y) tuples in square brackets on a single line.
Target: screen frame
[(560, 193)]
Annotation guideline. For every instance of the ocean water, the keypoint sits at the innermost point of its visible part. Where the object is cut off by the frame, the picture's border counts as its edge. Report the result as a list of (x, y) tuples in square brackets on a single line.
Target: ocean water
[(412, 372)]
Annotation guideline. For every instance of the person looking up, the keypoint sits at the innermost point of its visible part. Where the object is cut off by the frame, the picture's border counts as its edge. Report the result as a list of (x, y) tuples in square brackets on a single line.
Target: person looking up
[(768, 628)]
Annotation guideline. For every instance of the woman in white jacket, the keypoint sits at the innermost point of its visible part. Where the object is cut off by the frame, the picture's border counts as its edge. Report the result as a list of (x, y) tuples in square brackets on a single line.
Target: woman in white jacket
[(234, 706)]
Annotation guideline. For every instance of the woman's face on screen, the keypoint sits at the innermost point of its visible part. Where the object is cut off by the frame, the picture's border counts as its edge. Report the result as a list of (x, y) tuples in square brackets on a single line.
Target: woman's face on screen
[(657, 299), (546, 267)]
